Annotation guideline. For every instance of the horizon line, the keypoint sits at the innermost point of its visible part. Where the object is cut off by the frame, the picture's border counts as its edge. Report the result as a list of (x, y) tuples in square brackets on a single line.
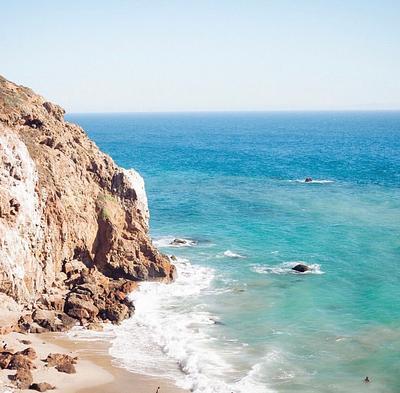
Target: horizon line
[(236, 111)]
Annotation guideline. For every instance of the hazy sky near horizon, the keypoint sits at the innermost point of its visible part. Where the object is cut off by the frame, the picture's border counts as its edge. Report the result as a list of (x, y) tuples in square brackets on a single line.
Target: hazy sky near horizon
[(122, 56)]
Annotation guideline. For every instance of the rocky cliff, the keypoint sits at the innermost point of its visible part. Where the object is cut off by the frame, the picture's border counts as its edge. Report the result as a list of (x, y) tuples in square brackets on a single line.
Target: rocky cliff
[(73, 225)]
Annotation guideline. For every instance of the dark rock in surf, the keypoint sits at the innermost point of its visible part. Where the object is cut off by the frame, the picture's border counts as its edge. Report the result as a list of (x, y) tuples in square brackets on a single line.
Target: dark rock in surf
[(179, 242), (301, 268)]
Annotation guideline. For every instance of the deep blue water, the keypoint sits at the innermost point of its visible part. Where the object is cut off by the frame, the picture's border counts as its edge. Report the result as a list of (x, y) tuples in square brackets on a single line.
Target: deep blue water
[(233, 181)]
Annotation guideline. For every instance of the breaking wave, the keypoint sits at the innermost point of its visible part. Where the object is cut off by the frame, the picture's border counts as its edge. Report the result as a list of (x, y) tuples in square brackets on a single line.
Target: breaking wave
[(231, 254), (168, 337)]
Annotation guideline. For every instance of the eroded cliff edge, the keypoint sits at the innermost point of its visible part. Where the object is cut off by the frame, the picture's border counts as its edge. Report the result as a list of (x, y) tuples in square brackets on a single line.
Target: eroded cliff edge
[(73, 225)]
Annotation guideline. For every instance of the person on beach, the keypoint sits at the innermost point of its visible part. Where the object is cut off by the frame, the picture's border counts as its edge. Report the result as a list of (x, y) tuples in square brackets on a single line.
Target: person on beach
[(158, 389), (367, 380), (308, 180)]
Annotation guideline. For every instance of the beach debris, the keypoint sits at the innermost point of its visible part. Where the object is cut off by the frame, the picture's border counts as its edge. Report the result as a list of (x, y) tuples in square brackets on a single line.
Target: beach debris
[(301, 268), (41, 387)]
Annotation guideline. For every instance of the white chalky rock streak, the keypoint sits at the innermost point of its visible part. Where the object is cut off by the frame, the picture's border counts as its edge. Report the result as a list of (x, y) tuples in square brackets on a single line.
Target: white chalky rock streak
[(21, 234), (136, 182)]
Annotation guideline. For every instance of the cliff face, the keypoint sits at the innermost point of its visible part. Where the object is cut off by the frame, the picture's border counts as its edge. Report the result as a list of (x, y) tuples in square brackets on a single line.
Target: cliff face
[(63, 202)]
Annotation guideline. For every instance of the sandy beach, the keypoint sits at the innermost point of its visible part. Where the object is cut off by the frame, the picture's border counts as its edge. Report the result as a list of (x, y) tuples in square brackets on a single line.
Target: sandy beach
[(95, 371)]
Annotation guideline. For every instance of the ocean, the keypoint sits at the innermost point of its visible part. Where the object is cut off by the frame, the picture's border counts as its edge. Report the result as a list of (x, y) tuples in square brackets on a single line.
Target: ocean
[(238, 318)]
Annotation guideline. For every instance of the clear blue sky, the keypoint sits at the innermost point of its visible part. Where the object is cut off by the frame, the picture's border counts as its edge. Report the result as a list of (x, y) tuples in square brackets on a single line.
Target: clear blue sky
[(96, 56)]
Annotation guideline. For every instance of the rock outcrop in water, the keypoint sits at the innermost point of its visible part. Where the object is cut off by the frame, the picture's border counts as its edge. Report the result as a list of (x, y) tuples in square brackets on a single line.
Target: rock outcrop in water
[(301, 268), (73, 225)]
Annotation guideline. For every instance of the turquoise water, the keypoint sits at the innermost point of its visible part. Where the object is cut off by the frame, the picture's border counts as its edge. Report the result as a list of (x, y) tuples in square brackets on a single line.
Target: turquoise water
[(233, 184)]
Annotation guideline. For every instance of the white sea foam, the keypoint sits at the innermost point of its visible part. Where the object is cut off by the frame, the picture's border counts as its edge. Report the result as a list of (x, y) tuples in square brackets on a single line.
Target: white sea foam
[(286, 268), (170, 241), (231, 254), (168, 337)]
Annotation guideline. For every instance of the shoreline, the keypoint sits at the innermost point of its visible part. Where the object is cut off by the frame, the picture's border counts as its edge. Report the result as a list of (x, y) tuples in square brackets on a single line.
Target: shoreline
[(95, 369)]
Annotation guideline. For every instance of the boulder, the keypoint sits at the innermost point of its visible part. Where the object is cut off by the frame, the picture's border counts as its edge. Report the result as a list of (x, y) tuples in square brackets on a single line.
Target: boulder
[(45, 318), (35, 328), (115, 312), (19, 361), (53, 302), (301, 268), (42, 387), (22, 379), (5, 359), (67, 368), (62, 362), (29, 352), (80, 306), (67, 321)]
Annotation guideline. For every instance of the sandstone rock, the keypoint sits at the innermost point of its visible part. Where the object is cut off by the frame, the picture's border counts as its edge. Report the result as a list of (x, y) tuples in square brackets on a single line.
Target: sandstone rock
[(80, 306), (23, 378), (67, 321), (19, 361), (128, 287), (62, 363), (97, 327), (42, 387), (10, 311), (116, 312), (45, 318), (35, 328), (5, 359), (54, 302), (301, 268), (29, 352), (67, 368), (54, 359)]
